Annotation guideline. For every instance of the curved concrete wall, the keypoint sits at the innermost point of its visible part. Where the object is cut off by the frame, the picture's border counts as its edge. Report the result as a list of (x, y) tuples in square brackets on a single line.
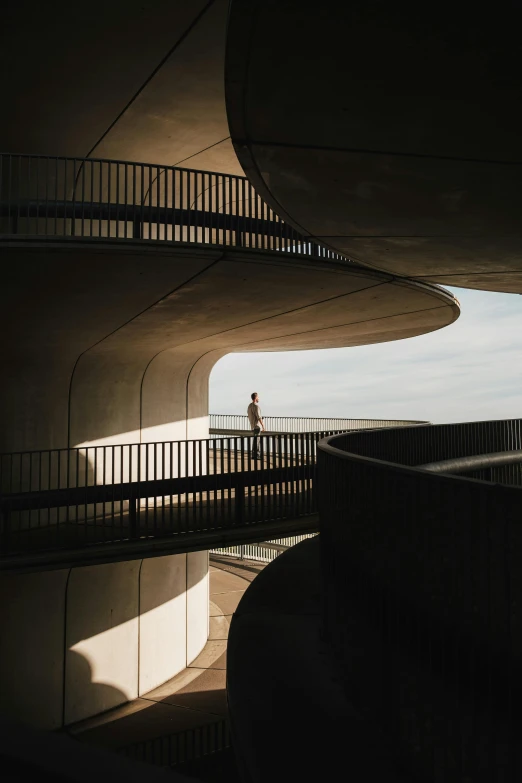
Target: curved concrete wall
[(400, 144), (80, 641), (88, 339), (153, 91), (114, 342)]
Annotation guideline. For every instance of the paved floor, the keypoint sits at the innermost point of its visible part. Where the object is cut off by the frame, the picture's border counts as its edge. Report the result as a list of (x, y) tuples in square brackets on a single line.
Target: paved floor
[(197, 695)]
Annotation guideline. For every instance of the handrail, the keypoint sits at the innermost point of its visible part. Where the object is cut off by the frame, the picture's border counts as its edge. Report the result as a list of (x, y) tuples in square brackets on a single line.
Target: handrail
[(232, 423), (476, 462), (397, 449), (111, 501), (99, 199), (422, 568)]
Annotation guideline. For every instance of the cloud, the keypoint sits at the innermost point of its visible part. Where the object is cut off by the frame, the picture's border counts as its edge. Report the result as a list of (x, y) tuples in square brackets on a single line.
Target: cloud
[(469, 371)]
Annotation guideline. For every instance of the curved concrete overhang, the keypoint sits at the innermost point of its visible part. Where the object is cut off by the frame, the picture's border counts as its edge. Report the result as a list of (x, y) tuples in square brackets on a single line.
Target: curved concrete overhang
[(114, 342), (389, 135), (124, 80)]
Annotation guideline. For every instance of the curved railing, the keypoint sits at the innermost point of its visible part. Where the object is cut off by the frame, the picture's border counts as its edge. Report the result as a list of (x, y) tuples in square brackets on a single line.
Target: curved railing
[(107, 503), (483, 466), (139, 494), (99, 199), (223, 422), (422, 575)]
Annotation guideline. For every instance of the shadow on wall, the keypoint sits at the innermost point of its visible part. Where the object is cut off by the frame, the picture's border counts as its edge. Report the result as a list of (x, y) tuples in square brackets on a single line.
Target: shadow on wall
[(78, 642), (56, 469), (107, 462), (99, 693), (129, 395)]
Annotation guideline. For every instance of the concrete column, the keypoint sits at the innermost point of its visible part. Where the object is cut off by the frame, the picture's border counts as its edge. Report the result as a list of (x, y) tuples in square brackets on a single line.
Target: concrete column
[(32, 631), (82, 327), (101, 658), (163, 620), (174, 394), (197, 600), (77, 642)]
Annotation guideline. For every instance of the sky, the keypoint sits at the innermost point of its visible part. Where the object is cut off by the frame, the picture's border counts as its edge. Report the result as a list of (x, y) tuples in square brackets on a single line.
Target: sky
[(469, 371)]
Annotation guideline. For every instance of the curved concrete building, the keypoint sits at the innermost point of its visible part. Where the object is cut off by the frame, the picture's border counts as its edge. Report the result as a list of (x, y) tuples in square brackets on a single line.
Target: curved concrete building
[(388, 134), (133, 81), (80, 641), (113, 342), (120, 347), (126, 278)]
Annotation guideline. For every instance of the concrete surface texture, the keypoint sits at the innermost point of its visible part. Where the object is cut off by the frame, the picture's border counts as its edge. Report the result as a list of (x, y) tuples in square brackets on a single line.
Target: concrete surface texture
[(390, 135), (289, 715), (81, 641), (133, 81), (195, 696), (115, 344), (29, 754)]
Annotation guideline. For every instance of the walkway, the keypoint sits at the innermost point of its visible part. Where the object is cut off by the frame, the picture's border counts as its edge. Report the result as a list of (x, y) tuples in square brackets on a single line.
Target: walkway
[(197, 695), (169, 496)]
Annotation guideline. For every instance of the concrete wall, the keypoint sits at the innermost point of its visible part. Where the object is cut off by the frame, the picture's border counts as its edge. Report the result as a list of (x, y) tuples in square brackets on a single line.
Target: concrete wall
[(114, 343), (80, 641), (127, 109), (401, 164), (197, 595), (88, 383)]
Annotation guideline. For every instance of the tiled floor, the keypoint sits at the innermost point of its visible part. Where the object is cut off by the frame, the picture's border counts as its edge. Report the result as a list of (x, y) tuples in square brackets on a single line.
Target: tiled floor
[(197, 695)]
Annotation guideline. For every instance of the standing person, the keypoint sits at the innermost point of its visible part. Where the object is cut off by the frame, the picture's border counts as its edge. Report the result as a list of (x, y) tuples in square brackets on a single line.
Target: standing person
[(256, 422)]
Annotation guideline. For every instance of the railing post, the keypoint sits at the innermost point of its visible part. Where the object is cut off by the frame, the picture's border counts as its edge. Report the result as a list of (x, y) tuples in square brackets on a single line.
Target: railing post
[(239, 517), (133, 517), (5, 529), (137, 229)]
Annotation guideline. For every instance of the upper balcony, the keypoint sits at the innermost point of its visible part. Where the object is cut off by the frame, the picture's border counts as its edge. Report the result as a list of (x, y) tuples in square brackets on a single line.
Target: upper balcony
[(42, 196)]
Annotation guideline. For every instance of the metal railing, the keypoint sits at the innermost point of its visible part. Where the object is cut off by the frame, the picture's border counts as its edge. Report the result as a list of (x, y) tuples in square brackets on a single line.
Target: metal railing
[(99, 199), (504, 467), (422, 578), (67, 499), (224, 422), (182, 747), (264, 551)]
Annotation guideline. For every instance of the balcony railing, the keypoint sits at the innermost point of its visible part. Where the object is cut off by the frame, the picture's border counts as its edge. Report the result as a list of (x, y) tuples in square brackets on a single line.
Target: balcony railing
[(124, 496), (423, 590), (101, 199), (228, 422)]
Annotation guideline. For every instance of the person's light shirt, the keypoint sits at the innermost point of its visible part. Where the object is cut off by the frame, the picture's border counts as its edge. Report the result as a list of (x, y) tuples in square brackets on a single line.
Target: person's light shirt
[(254, 415)]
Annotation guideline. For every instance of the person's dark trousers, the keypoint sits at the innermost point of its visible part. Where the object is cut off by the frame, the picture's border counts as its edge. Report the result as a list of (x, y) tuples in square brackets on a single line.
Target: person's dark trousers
[(255, 443)]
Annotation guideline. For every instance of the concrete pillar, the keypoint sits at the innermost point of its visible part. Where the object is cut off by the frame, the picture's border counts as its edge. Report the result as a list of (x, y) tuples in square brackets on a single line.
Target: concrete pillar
[(86, 328), (197, 599), (79, 641), (163, 620), (101, 640), (32, 623)]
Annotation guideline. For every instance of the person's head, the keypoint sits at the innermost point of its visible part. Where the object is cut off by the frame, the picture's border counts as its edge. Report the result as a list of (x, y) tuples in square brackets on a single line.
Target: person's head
[(255, 397)]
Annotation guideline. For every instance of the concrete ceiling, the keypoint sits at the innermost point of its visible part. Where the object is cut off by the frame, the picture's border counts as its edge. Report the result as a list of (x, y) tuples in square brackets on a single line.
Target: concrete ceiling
[(138, 80), (389, 133), (93, 331), (209, 298)]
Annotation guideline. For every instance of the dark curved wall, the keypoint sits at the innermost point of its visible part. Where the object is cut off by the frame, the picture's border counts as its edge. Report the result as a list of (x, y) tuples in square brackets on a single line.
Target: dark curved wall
[(422, 577), (389, 132)]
